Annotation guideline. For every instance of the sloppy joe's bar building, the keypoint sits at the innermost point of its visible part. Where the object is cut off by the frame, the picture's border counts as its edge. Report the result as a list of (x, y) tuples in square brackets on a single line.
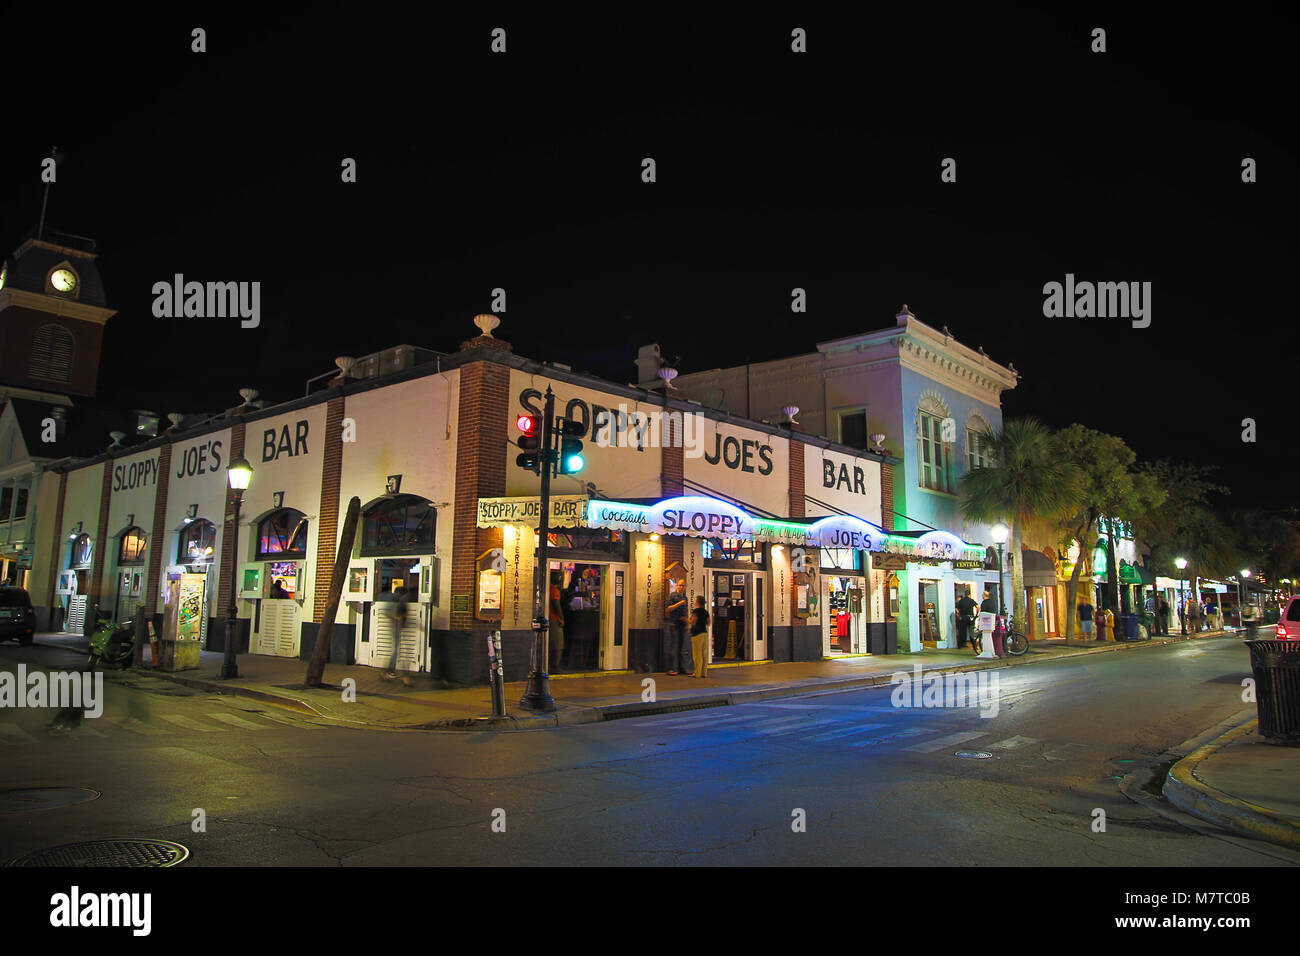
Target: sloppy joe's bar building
[(781, 532)]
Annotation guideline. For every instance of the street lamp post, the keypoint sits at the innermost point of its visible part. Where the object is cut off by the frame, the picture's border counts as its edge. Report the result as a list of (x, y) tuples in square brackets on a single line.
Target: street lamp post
[(1000, 534), (1182, 565), (1242, 594), (238, 474)]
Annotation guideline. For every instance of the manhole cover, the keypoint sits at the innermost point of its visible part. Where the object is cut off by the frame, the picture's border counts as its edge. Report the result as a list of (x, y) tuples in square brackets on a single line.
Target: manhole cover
[(44, 798), (107, 853), (974, 754)]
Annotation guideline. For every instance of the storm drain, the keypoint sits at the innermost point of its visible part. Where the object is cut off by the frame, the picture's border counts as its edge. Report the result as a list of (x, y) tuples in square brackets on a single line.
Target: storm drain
[(107, 853), (44, 798), (973, 754), (661, 709)]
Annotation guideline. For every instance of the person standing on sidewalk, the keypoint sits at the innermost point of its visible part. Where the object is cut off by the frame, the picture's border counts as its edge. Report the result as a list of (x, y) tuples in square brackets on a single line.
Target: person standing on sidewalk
[(1162, 618), (674, 634), (988, 612), (700, 637), (966, 608), (1085, 620), (556, 630)]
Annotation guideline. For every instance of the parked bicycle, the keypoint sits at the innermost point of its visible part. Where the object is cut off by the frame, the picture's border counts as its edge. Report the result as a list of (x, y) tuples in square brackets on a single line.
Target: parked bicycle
[(1016, 644), (111, 644)]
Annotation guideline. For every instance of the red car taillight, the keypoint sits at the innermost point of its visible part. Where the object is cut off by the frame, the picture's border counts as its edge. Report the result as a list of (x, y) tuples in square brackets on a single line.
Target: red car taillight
[(1281, 631)]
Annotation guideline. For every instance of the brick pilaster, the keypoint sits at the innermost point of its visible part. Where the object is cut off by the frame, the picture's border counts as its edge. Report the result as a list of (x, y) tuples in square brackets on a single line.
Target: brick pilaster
[(672, 483), (158, 532), (481, 439), (327, 515), (228, 556), (101, 539), (57, 541), (887, 496), (797, 509)]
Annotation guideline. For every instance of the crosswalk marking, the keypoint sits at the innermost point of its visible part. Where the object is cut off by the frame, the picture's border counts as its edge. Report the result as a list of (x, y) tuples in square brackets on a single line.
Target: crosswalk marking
[(695, 719), (928, 746), (847, 731), (909, 732), (299, 725), (1012, 743), (190, 724), (139, 727), (239, 722), (12, 733), (778, 726)]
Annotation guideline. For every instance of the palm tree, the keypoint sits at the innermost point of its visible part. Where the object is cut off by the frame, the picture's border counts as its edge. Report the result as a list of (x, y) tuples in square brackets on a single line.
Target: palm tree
[(1026, 478)]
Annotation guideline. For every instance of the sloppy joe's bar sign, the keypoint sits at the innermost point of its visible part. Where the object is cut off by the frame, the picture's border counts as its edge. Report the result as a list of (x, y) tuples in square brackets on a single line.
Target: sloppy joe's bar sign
[(693, 515), (566, 511)]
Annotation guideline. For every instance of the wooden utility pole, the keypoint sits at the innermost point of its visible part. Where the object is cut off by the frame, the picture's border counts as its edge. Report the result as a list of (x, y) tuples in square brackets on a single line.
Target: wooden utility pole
[(316, 667)]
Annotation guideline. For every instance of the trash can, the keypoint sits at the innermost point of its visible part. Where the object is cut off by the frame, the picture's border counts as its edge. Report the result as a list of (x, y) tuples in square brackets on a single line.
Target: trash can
[(1276, 666), (1128, 627)]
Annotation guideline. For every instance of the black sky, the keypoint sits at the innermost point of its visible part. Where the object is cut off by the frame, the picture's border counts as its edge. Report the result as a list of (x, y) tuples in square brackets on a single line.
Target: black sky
[(820, 171)]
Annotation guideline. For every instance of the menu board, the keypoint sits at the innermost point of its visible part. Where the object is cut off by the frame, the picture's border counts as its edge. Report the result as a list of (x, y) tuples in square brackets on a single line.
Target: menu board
[(189, 623)]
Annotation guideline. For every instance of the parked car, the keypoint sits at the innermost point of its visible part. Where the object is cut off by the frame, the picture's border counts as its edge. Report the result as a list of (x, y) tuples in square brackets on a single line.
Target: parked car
[(1288, 627), (17, 617)]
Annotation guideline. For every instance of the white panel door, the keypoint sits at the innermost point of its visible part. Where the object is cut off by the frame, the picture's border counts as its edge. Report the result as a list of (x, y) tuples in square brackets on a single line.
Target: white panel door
[(384, 636)]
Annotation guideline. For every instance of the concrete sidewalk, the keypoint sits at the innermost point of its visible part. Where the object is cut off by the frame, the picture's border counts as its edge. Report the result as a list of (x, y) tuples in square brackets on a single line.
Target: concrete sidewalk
[(1243, 783), (430, 704)]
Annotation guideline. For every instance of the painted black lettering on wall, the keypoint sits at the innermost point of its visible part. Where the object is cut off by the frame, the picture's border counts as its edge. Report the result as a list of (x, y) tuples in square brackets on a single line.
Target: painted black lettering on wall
[(135, 475), (201, 459), (735, 453), (840, 481), (274, 445)]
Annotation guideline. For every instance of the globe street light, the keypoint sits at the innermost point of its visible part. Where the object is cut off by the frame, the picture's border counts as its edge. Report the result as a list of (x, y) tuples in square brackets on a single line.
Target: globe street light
[(1182, 565), (239, 473)]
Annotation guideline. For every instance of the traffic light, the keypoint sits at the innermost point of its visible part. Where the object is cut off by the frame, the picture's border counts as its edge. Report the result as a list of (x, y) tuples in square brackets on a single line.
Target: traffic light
[(529, 442), (570, 459)]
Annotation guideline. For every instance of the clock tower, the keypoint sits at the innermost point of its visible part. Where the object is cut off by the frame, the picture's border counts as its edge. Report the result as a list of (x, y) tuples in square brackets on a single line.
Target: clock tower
[(52, 316)]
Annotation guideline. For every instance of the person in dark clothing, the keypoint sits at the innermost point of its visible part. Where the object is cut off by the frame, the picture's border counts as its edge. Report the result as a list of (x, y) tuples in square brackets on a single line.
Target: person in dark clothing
[(674, 637), (966, 608), (1162, 618), (700, 649), (1085, 620)]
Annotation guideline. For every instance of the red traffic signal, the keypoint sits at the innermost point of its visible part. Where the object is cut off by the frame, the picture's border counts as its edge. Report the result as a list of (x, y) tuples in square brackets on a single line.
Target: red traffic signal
[(526, 423), (529, 442)]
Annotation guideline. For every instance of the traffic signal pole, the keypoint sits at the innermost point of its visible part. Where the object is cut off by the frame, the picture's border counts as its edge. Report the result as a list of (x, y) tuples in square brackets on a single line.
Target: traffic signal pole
[(537, 693)]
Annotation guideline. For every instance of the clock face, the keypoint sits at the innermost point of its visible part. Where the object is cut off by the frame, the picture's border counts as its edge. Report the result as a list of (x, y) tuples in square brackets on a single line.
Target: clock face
[(63, 280)]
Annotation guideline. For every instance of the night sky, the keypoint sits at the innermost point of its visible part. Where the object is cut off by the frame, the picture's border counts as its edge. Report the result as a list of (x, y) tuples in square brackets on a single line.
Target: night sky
[(775, 170)]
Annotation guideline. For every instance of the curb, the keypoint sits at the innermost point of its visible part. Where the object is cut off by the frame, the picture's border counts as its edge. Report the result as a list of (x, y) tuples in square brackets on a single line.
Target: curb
[(598, 714), (1184, 790)]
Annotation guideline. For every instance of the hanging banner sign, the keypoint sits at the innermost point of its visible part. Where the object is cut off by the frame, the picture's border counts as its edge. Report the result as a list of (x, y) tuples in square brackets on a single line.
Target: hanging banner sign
[(567, 511), (846, 531)]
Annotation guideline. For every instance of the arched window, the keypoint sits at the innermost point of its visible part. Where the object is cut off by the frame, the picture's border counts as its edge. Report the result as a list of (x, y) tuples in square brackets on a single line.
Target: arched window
[(132, 548), (977, 437), (933, 447), (403, 524), (52, 353), (197, 542), (282, 534), (82, 551)]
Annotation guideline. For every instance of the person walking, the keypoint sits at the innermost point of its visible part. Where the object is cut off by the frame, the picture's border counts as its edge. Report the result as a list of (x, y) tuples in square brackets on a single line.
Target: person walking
[(1249, 620), (700, 638), (1085, 620), (1162, 618)]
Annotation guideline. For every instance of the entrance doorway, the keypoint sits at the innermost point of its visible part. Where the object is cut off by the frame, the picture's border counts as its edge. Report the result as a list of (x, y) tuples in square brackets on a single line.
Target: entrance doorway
[(845, 601), (731, 610), (964, 634), (591, 597), (397, 621), (928, 599)]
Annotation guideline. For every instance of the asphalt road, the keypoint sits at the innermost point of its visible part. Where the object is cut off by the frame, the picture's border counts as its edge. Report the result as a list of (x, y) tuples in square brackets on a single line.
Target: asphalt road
[(874, 784)]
